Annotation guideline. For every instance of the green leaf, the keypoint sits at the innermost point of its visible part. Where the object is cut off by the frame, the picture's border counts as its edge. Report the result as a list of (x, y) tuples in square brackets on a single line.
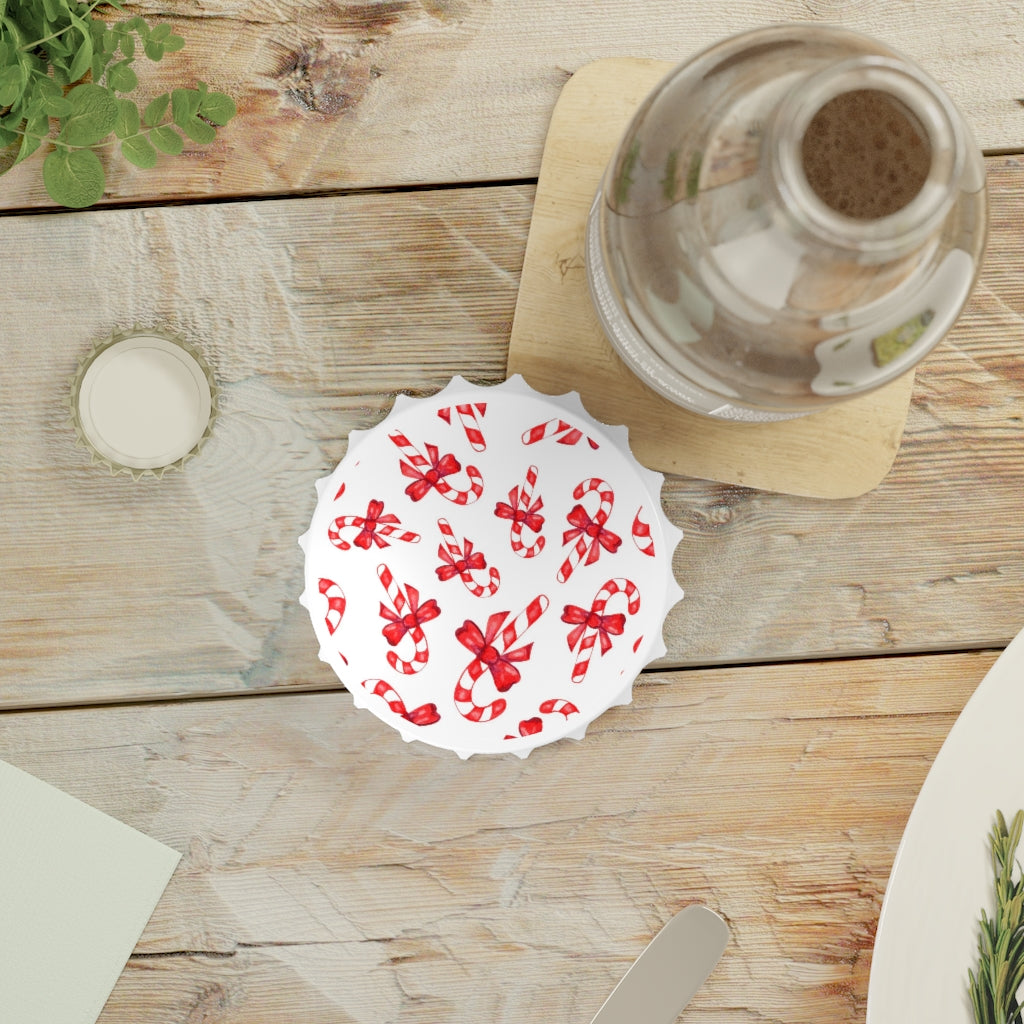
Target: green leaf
[(172, 44), (137, 150), (217, 107), (154, 51), (12, 82), (156, 109), (1001, 939), (184, 106), (160, 33), (35, 130), (167, 140), (52, 9), (127, 119), (74, 178), (94, 113), (59, 49), (198, 131), (128, 45), (83, 57), (121, 77), (56, 105)]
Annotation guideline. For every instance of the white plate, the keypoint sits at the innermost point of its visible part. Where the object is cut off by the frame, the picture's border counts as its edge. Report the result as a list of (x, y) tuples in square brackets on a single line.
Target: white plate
[(928, 931)]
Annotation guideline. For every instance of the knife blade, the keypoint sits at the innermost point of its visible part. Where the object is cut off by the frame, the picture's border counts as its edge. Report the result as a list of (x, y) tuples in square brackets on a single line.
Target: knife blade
[(668, 973)]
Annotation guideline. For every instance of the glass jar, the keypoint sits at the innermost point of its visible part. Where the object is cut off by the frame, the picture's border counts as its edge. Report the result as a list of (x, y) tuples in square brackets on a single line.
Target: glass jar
[(793, 217)]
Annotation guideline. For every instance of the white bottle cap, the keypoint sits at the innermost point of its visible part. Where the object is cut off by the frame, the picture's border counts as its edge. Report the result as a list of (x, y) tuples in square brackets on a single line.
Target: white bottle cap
[(143, 402)]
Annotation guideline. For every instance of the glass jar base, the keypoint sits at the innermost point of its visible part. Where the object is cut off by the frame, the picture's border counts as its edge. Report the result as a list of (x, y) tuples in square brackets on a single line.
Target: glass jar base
[(638, 357)]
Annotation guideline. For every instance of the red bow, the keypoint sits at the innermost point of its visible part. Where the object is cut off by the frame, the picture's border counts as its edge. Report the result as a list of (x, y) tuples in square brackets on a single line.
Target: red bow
[(603, 624), (527, 516), (592, 528), (368, 534), (444, 466), (503, 672), (471, 560), (425, 714), (399, 625)]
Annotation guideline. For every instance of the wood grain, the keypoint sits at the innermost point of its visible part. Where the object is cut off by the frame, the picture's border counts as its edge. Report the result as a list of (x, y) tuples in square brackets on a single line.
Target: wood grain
[(333, 872), (314, 314), (337, 94)]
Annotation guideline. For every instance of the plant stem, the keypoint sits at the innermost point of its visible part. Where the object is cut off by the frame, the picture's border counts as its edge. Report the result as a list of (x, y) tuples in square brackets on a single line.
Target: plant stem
[(29, 47)]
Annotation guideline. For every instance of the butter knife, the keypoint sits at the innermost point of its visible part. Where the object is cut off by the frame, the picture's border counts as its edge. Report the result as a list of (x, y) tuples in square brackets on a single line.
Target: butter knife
[(668, 973)]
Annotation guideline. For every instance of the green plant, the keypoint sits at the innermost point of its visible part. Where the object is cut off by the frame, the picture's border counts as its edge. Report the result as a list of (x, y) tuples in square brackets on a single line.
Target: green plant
[(64, 71), (1001, 939)]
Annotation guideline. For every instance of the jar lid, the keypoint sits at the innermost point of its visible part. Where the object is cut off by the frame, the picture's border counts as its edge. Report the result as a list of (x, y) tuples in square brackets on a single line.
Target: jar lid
[(489, 569), (143, 402)]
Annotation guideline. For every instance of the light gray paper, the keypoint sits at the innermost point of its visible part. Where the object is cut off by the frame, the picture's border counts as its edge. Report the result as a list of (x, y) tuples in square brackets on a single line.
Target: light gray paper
[(76, 890)]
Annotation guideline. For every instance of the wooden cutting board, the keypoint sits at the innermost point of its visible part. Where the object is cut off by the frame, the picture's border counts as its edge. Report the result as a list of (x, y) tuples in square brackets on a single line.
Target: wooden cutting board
[(557, 343)]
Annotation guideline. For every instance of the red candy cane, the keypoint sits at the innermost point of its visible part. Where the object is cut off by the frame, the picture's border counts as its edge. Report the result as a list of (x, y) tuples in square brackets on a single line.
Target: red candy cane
[(335, 604), (463, 563), (565, 432), (495, 652), (642, 535), (373, 527), (523, 511), (594, 625), (469, 417), (425, 714), (532, 726), (589, 534), (558, 707), (429, 471), (408, 624)]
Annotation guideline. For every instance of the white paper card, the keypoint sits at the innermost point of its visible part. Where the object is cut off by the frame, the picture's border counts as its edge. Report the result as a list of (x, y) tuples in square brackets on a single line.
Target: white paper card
[(76, 890)]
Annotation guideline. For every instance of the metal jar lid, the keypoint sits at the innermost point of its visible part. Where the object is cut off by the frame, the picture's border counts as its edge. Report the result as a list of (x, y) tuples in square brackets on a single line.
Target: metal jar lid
[(143, 402)]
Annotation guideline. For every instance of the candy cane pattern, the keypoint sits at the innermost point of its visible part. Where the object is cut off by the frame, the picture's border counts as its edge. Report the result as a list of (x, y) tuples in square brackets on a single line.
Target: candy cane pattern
[(463, 563), (429, 471), (425, 714), (523, 511), (558, 707), (335, 604), (497, 659), (589, 533), (532, 726), (554, 428), (642, 535), (373, 527), (593, 625), (409, 624), (469, 416)]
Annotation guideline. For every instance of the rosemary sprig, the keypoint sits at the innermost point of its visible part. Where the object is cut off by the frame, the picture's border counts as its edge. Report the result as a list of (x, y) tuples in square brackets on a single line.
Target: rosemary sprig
[(1001, 939)]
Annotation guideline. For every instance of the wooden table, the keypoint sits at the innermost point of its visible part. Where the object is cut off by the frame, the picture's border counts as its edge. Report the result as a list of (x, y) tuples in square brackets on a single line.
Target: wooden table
[(356, 232)]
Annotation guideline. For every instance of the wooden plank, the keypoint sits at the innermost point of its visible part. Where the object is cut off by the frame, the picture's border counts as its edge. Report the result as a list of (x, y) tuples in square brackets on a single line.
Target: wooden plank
[(333, 872), (314, 314), (384, 92)]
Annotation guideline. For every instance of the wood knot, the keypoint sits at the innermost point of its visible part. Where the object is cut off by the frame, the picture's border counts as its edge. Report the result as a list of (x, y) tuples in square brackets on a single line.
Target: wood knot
[(324, 82)]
